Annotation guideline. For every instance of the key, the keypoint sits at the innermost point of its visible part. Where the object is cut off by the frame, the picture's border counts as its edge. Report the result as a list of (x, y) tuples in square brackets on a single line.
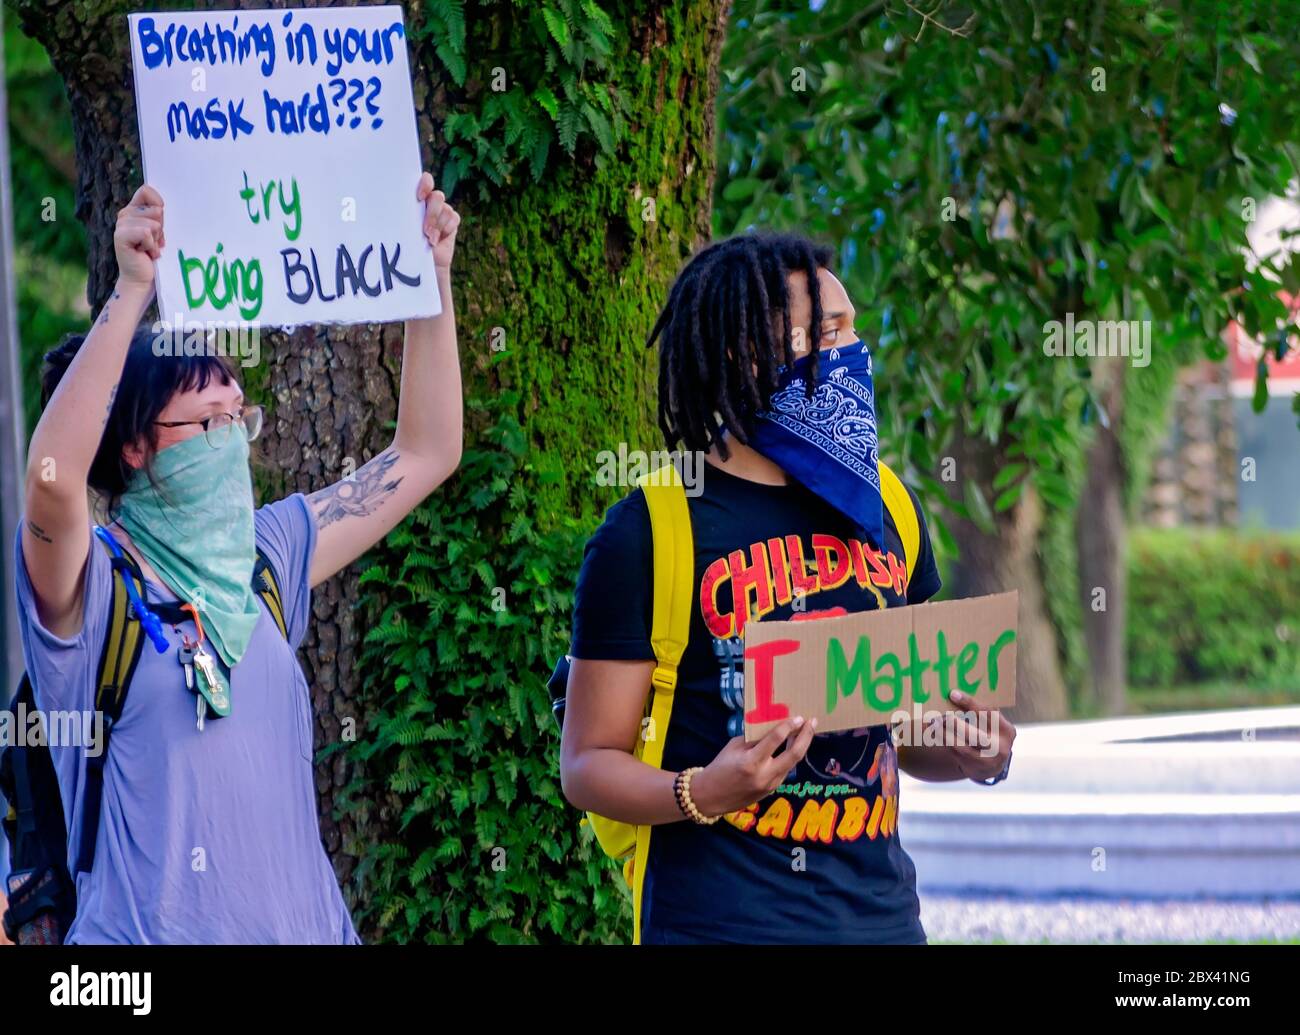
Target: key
[(211, 685), (207, 667), (207, 674), (185, 655)]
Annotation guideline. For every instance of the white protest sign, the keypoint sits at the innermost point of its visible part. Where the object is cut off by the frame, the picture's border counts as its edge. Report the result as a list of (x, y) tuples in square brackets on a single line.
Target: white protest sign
[(284, 146)]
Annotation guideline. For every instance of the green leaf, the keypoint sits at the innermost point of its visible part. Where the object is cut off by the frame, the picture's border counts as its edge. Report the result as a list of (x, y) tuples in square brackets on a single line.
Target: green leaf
[(737, 190), (1007, 475), (543, 96), (556, 26), (570, 123), (1007, 499), (452, 59), (1259, 400), (978, 505), (600, 127)]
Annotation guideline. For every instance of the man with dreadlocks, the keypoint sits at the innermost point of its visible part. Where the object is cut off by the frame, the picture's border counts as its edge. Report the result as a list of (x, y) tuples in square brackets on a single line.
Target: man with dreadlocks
[(761, 371)]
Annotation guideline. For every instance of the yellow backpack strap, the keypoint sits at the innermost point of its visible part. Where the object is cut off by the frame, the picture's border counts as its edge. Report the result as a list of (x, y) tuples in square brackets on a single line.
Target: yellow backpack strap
[(674, 584), (266, 587), (899, 504), (122, 643)]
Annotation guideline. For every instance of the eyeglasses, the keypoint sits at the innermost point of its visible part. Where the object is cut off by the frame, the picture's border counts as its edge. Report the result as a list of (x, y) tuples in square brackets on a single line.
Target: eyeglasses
[(216, 429)]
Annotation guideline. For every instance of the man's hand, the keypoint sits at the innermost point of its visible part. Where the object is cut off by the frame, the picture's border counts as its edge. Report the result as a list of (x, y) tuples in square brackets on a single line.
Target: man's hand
[(988, 729), (743, 773)]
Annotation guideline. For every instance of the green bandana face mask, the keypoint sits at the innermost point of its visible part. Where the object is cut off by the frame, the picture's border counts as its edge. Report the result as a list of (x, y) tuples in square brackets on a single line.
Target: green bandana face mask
[(196, 530)]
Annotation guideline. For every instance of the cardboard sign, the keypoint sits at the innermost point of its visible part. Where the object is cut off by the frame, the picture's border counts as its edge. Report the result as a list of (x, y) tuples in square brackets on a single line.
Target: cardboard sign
[(284, 146), (861, 669)]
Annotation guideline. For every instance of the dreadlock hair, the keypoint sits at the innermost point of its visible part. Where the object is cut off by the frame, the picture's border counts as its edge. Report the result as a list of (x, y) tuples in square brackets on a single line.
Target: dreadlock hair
[(719, 361)]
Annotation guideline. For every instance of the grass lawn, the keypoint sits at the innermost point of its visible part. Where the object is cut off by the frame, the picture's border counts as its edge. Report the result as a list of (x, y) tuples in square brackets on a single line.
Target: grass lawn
[(1199, 697)]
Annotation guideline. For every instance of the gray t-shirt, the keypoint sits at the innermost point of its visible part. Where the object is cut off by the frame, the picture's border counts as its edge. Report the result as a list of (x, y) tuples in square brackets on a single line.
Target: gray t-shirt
[(205, 837)]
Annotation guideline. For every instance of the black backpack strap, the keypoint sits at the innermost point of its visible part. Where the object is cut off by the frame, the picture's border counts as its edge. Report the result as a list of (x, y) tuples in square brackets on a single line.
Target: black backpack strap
[(117, 662), (266, 587), (22, 807), (41, 900)]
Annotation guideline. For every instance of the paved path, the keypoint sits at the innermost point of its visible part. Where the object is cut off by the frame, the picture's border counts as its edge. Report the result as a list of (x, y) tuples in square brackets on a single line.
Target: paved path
[(950, 919)]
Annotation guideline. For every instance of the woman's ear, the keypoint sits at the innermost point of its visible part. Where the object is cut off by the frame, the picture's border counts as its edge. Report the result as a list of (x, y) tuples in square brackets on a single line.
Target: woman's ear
[(133, 455)]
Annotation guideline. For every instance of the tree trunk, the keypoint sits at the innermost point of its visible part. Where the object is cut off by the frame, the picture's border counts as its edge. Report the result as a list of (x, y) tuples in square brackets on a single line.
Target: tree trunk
[(1100, 535), (1004, 560), (571, 269)]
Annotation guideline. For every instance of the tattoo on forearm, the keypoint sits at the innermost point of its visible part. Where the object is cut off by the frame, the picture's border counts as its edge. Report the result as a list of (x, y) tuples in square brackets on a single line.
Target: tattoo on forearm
[(112, 395), (38, 531), (103, 313), (360, 495)]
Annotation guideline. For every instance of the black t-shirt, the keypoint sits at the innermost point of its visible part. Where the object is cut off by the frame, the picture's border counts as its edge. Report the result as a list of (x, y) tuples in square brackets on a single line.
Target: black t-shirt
[(742, 879)]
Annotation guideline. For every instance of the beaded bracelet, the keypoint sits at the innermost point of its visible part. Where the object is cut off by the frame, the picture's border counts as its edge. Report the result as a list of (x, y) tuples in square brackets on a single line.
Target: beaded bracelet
[(682, 791), (677, 794)]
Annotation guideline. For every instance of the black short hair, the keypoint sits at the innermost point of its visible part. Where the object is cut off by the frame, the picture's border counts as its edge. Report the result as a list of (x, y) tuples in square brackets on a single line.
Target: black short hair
[(147, 384), (718, 359)]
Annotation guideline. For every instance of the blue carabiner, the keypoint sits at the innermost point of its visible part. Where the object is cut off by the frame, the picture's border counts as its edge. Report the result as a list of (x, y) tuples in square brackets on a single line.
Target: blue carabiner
[(149, 621)]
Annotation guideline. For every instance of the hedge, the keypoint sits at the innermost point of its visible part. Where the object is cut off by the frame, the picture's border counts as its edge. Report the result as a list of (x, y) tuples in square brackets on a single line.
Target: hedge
[(1213, 605)]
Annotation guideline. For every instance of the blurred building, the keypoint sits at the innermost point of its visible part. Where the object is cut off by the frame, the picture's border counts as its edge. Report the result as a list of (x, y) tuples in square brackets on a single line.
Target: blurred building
[(1194, 476), (1222, 463)]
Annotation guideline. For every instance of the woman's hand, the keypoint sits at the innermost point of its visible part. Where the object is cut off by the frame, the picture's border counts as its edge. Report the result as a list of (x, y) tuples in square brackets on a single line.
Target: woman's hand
[(138, 238), (744, 773), (440, 222)]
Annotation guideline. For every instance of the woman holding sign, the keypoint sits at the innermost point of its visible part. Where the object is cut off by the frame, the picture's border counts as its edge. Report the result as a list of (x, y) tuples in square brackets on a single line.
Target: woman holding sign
[(792, 838), (207, 826)]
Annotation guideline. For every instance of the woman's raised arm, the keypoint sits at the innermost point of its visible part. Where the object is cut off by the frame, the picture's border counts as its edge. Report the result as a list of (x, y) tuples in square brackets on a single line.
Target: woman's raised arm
[(56, 519), (356, 512)]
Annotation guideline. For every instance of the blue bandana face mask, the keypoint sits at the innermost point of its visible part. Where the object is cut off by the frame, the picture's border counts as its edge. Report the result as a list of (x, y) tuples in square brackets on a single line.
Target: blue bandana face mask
[(828, 442)]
